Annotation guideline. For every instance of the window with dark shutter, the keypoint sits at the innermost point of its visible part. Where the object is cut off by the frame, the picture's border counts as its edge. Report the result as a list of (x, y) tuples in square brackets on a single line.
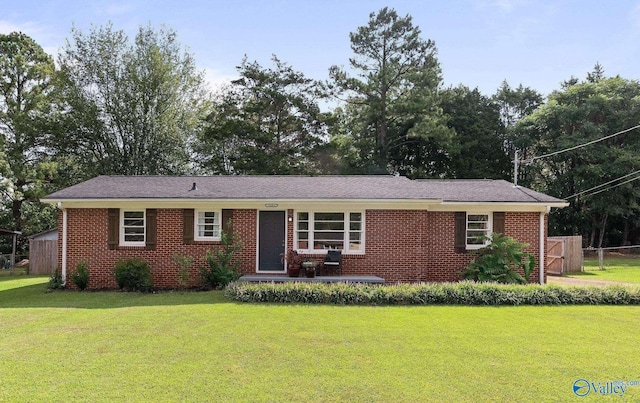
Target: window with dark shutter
[(113, 228), (498, 222), (460, 241), (187, 226), (152, 229)]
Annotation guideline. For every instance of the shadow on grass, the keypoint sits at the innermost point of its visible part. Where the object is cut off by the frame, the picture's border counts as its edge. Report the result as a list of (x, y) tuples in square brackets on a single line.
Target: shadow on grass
[(582, 274), (36, 296)]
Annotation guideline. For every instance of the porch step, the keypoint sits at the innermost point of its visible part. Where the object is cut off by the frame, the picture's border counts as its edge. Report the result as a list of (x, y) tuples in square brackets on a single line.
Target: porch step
[(274, 278)]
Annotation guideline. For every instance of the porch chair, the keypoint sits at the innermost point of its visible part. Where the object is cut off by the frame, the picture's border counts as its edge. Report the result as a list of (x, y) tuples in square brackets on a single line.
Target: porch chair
[(333, 260)]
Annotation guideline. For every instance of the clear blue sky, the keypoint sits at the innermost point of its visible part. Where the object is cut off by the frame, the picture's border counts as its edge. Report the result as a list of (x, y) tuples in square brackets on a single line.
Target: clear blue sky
[(480, 43)]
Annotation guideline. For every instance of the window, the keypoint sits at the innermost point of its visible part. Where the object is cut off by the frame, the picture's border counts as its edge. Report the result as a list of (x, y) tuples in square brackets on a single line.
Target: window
[(330, 230), (132, 228), (207, 225), (478, 226)]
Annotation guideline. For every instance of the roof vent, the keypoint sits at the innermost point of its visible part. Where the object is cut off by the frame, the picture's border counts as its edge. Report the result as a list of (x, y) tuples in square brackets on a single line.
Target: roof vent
[(194, 187)]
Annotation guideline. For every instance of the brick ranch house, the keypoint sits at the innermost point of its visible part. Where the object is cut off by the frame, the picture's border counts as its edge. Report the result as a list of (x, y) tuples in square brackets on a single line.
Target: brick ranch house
[(392, 227)]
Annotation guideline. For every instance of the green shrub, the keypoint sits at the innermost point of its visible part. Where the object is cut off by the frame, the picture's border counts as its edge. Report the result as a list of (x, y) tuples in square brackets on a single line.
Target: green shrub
[(55, 281), (463, 293), (133, 274), (498, 262), (80, 277), (223, 264), (184, 262)]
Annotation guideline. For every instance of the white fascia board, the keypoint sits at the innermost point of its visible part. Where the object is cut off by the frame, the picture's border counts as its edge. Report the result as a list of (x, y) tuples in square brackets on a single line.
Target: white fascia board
[(497, 206), (259, 204)]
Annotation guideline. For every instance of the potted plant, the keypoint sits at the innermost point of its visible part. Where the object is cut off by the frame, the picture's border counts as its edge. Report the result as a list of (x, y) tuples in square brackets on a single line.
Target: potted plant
[(309, 267), (293, 263)]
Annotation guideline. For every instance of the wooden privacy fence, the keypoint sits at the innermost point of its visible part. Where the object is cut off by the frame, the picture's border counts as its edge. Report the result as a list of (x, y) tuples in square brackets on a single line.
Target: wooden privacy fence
[(564, 254), (43, 256)]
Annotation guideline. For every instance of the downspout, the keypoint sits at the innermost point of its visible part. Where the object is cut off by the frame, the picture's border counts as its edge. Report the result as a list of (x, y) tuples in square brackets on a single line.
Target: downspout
[(542, 246), (64, 245)]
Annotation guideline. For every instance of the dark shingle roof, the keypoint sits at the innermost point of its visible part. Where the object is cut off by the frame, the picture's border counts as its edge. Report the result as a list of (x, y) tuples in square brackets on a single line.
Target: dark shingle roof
[(297, 188), (482, 190)]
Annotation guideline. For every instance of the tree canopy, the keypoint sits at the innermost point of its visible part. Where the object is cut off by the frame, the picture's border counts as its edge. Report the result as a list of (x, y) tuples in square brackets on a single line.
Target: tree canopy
[(393, 113), (134, 106), (478, 150), (139, 105), (27, 113), (578, 113), (267, 122)]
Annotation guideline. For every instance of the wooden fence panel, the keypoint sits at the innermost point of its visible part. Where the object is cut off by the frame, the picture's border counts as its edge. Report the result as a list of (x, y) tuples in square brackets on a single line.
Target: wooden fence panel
[(555, 256), (571, 257), (43, 256)]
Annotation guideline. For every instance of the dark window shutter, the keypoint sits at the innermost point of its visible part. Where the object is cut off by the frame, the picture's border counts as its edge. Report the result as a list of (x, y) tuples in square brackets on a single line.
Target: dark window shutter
[(113, 228), (498, 222), (187, 226), (227, 216), (460, 243), (151, 236)]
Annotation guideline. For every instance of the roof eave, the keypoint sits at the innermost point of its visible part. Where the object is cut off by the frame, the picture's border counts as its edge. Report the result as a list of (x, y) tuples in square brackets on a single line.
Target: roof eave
[(559, 204), (242, 200)]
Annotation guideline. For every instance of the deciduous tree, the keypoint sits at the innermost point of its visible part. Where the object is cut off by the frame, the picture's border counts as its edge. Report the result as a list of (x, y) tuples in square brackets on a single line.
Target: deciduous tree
[(134, 105), (515, 104), (578, 113), (27, 110), (478, 151)]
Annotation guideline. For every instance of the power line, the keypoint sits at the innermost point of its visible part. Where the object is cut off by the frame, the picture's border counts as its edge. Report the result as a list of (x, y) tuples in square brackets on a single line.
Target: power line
[(582, 145), (532, 159), (605, 184), (614, 186)]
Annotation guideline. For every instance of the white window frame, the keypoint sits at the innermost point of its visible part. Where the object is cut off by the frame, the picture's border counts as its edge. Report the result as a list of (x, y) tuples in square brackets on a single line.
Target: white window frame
[(196, 225), (124, 242), (489, 229), (346, 232)]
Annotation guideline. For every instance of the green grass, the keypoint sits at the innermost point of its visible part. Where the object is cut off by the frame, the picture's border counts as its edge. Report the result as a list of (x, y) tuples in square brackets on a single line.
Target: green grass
[(17, 271), (623, 269), (106, 346)]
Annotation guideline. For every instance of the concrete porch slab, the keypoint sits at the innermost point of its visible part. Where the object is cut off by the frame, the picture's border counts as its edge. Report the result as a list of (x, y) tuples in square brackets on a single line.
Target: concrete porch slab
[(274, 278)]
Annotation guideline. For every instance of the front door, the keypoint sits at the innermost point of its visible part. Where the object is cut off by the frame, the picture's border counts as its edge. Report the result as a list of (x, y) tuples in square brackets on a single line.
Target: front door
[(271, 239)]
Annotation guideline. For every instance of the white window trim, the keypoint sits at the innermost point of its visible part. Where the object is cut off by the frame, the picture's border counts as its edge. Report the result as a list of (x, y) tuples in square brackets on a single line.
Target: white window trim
[(346, 239), (196, 237), (489, 228), (144, 218)]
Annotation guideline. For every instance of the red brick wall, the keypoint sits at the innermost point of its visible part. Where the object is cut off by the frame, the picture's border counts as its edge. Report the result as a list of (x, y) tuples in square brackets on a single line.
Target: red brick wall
[(87, 241), (444, 264), (401, 245)]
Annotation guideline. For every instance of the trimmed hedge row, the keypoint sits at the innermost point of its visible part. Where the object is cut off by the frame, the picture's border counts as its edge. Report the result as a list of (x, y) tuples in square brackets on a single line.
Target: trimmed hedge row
[(463, 293)]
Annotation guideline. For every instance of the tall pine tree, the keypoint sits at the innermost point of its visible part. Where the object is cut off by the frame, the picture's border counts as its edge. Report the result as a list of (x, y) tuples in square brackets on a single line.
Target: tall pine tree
[(392, 112)]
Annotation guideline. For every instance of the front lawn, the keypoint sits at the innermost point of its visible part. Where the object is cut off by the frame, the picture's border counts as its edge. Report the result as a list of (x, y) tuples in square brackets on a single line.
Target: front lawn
[(107, 346), (17, 271), (623, 269)]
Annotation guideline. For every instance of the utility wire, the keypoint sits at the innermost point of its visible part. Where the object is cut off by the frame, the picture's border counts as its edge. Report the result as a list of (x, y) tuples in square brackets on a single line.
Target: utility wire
[(604, 184), (614, 186), (532, 159), (581, 145)]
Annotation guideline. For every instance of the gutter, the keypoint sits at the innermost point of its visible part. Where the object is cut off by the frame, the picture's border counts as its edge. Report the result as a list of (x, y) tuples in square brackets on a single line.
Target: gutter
[(64, 244), (239, 200), (542, 247)]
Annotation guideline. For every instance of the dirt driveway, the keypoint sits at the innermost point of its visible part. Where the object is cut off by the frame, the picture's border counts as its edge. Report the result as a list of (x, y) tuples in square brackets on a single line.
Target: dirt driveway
[(579, 281)]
